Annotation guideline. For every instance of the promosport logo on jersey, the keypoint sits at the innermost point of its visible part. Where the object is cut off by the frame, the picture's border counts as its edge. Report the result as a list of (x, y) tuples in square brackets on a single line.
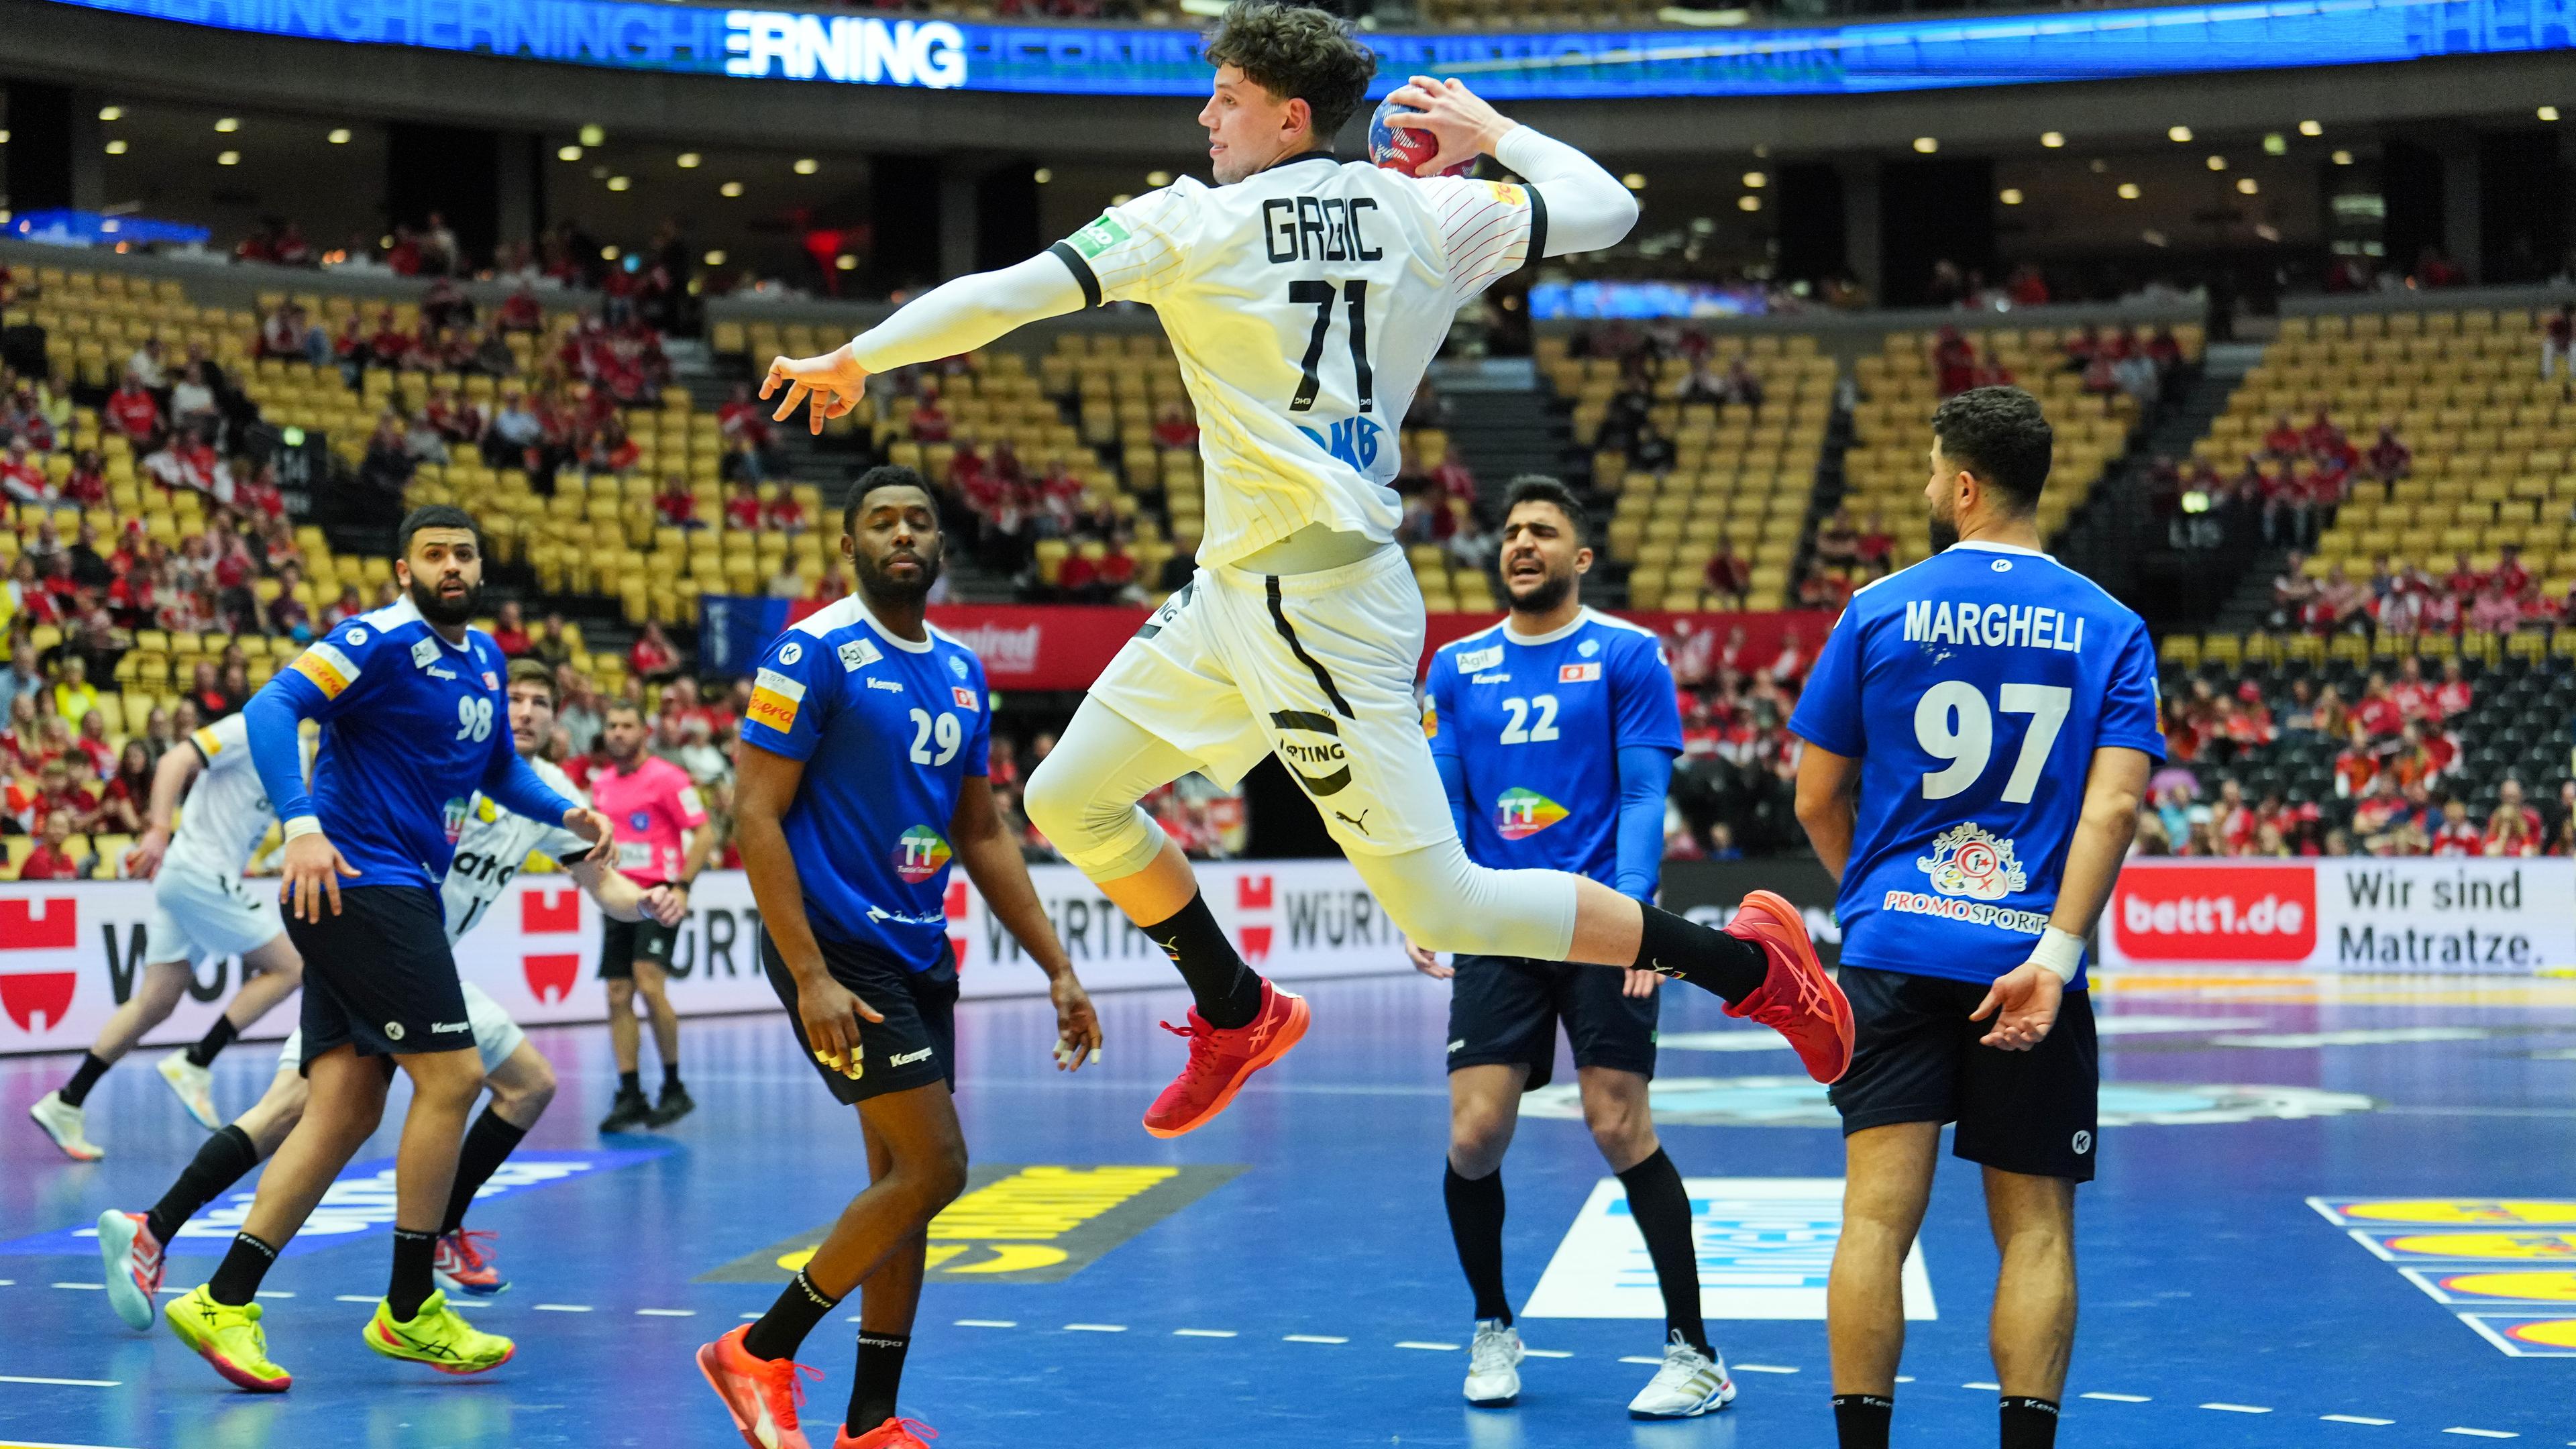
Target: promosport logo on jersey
[(919, 854), (1968, 860), (1520, 813), (2260, 913)]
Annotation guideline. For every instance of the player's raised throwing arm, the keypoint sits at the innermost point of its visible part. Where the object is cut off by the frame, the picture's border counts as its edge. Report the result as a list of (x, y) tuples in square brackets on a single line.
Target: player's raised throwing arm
[(951, 318), (1585, 208)]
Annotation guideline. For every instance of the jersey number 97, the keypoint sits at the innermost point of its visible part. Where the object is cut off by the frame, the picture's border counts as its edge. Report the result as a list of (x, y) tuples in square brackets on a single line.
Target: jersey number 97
[(1953, 724)]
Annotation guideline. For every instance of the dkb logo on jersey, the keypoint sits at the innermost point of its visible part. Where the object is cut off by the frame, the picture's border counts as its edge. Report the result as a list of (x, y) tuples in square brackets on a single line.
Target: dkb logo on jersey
[(1967, 860), (919, 854), (1520, 814)]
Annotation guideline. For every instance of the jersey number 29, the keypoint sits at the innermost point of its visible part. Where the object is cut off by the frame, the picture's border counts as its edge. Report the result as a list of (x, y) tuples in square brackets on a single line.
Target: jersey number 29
[(942, 730), (1953, 724)]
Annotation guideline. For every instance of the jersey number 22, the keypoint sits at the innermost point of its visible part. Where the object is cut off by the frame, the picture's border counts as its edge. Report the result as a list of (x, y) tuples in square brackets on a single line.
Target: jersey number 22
[(1952, 723)]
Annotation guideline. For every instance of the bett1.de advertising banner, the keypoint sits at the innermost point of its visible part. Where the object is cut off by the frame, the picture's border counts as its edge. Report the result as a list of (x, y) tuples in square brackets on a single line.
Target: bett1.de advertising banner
[(71, 952), (2365, 913)]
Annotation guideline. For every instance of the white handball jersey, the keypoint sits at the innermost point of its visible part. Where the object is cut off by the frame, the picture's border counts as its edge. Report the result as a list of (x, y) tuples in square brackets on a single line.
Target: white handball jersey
[(226, 813), (492, 847), (1304, 304)]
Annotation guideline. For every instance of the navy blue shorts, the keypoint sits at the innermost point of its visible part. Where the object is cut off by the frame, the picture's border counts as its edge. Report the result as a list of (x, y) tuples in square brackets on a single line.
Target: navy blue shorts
[(914, 1046), (378, 976), (1504, 1010), (1916, 1058)]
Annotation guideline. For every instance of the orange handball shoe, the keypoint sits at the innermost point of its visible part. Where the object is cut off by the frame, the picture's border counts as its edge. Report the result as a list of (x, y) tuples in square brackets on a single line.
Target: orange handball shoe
[(892, 1434), (762, 1394), (1222, 1060), (1797, 999)]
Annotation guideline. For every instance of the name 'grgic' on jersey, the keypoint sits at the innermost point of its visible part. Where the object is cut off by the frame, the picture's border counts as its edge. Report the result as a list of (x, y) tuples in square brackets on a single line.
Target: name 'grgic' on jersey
[(1536, 724), (1974, 688), (889, 729)]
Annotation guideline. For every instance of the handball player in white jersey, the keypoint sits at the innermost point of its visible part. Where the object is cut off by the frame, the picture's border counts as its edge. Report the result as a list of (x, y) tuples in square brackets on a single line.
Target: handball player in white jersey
[(1304, 296), (201, 910)]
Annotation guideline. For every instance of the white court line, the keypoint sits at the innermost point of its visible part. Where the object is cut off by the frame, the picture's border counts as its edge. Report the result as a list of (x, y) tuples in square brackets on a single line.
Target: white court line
[(2356, 1419), (2116, 1398), (85, 1287), (1756, 1368), (2237, 1408), (1546, 1353), (2481, 1433), (751, 1318), (277, 1293), (8, 1282), (1203, 1333), (1433, 1347), (1905, 1378), (967, 1322), (1095, 1328), (1633, 1358), (563, 1308), (666, 1313), (1989, 1388), (1326, 1338), (63, 1383), (351, 1298)]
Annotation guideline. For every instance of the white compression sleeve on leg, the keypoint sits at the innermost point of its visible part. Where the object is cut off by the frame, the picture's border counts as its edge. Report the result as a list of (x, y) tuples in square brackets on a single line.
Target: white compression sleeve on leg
[(1587, 208), (1446, 902), (967, 313), (1083, 796)]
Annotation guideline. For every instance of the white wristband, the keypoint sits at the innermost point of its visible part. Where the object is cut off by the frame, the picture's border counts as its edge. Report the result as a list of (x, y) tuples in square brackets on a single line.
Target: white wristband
[(302, 825), (2059, 953)]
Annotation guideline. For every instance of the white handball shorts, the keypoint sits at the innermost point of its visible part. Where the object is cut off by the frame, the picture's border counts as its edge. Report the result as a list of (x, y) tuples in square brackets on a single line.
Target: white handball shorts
[(1317, 668), (198, 916), (495, 1034)]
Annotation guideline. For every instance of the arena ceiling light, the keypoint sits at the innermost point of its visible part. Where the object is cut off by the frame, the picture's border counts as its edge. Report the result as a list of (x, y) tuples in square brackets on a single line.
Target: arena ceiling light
[(1158, 178), (730, 188), (2178, 134), (1121, 199), (111, 113), (116, 147), (2549, 113), (620, 183), (1042, 175), (227, 124), (807, 166), (2343, 158), (568, 153), (2311, 128), (228, 158), (339, 136), (845, 263), (1634, 181), (2128, 191), (2217, 163), (4, 136), (2010, 196), (688, 160), (2276, 144), (593, 136), (1927, 144), (608, 253), (715, 259), (2245, 186), (1748, 203), (1756, 180), (2052, 139)]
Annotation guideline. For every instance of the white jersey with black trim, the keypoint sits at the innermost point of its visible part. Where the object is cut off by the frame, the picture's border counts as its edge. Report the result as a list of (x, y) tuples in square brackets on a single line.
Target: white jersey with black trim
[(492, 847), (1304, 303), (226, 813)]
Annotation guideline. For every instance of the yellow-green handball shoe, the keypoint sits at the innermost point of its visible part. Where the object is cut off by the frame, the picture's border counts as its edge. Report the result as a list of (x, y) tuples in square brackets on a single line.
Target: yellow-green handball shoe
[(437, 1337), (227, 1337)]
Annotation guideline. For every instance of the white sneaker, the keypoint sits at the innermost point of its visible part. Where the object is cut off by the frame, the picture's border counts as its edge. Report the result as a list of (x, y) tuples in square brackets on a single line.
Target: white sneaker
[(195, 1086), (1493, 1365), (1690, 1383), (62, 1122)]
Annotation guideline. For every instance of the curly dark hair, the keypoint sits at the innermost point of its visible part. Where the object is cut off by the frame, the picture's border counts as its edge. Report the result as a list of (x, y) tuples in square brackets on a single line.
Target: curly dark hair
[(1297, 52), (2000, 435), (1540, 488)]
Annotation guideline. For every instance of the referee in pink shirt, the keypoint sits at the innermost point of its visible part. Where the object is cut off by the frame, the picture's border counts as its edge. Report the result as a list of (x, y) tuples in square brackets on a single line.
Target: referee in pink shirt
[(663, 838)]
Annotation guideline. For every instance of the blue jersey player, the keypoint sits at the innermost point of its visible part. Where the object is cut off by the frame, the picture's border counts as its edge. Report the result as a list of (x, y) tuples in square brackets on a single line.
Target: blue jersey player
[(862, 778), (1979, 729), (1554, 733), (413, 722)]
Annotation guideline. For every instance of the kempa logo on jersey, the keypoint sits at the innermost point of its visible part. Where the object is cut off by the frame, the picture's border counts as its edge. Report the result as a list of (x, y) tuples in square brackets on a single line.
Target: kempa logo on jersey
[(930, 54), (1521, 813), (919, 854), (1968, 860)]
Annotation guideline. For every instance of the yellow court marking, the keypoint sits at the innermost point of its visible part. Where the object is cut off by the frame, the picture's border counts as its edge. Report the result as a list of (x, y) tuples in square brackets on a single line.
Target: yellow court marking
[(2464, 1211), (2526, 1287), (2488, 1245), (1002, 1218), (2556, 1332)]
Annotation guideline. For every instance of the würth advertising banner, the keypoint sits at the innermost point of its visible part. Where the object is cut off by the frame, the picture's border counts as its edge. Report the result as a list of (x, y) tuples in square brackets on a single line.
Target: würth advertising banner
[(70, 952), (2442, 914)]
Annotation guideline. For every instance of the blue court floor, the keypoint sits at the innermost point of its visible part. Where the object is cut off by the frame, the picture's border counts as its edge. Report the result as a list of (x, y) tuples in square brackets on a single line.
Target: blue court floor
[(2309, 1171)]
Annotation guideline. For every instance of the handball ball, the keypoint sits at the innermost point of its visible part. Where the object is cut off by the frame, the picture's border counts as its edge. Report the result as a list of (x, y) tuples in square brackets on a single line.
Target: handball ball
[(1400, 150)]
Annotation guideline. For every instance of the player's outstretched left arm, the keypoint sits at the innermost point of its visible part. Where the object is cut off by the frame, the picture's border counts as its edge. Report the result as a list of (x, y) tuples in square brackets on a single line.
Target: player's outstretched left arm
[(992, 860), (170, 781), (2024, 1000), (621, 897), (952, 318), (1587, 208)]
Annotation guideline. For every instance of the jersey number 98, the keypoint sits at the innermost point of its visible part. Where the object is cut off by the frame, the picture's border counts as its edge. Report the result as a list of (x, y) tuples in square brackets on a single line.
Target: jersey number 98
[(942, 730), (1953, 724), (474, 718)]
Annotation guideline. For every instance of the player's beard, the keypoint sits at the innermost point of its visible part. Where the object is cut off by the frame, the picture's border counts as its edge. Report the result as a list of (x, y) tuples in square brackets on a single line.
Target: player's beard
[(1546, 594), (425, 597), (1944, 531), (877, 583)]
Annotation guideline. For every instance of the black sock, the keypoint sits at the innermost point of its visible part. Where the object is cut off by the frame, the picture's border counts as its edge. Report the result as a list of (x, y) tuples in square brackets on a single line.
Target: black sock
[(217, 1037), (1476, 1222), (630, 1084), (671, 1077), (879, 1375), (220, 1162), (1705, 957), (800, 1306), (1861, 1420), (237, 1277), (411, 1284), (488, 1143), (2029, 1423), (1228, 992), (1661, 1207), (84, 1077)]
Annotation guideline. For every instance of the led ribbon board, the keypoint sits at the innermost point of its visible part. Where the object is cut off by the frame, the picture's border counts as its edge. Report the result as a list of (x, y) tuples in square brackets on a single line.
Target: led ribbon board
[(1135, 61)]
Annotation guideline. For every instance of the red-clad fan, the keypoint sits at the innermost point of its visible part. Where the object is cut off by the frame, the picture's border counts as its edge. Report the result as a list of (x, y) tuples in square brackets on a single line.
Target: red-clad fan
[(2388, 459), (2412, 691), (742, 509), (2510, 577), (2283, 439), (674, 504), (2321, 437), (131, 411), (784, 513), (2464, 581), (2457, 834), (2378, 712), (389, 344)]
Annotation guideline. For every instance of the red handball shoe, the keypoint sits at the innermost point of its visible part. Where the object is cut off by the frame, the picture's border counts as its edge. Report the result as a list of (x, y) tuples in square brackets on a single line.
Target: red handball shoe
[(1221, 1061), (464, 1263), (892, 1434), (762, 1394), (1797, 1000)]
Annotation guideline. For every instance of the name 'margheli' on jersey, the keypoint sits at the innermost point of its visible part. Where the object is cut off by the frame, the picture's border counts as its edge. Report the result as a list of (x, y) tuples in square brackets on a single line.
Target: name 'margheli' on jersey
[(496, 842), (1974, 688), (1536, 724), (889, 729), (225, 814), (1304, 303)]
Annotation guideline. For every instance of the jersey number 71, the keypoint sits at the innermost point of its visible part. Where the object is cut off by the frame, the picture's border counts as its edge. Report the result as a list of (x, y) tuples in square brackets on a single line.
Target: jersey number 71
[(1952, 723), (1320, 295)]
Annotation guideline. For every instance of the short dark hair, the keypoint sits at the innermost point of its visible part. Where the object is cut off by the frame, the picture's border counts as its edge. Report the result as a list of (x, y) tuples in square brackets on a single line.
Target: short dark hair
[(884, 475), (1297, 52), (435, 515), (534, 671), (1540, 488), (2000, 435), (621, 706)]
